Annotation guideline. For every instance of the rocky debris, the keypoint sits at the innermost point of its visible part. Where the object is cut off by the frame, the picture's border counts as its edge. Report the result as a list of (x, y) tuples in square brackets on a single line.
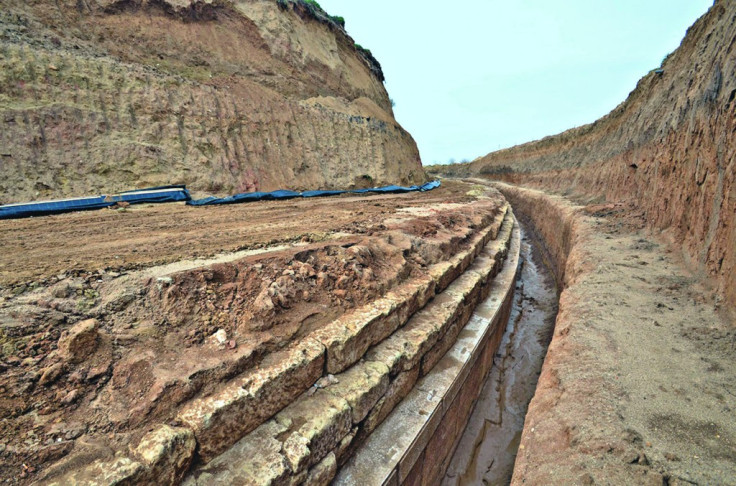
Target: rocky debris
[(219, 338), (70, 397), (50, 374), (147, 367), (325, 382), (79, 342), (166, 453), (97, 372)]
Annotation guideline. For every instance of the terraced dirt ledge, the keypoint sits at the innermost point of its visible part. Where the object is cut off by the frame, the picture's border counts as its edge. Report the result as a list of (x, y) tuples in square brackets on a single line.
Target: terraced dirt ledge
[(319, 431), (416, 442), (169, 373)]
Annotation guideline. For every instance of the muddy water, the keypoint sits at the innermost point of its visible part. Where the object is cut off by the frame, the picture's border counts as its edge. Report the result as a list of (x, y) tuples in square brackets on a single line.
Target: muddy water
[(488, 447)]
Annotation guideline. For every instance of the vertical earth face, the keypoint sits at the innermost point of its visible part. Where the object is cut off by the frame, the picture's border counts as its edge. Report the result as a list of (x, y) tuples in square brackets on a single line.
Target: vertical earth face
[(667, 151), (224, 96)]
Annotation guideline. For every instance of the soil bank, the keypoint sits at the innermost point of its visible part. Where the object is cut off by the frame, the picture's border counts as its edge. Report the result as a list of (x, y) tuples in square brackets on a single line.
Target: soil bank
[(638, 383)]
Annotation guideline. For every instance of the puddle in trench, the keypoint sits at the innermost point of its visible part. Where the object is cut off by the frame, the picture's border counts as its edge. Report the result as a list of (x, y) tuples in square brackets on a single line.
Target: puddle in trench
[(488, 447)]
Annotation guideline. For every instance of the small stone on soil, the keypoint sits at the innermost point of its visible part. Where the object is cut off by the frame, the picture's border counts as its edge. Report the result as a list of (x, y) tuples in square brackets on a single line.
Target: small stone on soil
[(50, 374)]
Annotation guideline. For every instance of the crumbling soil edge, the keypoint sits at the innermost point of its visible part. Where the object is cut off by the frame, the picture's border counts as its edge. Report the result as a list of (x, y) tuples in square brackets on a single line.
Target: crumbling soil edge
[(635, 386)]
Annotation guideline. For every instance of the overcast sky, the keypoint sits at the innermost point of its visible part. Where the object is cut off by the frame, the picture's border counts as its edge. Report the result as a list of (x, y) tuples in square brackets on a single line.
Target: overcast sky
[(473, 76)]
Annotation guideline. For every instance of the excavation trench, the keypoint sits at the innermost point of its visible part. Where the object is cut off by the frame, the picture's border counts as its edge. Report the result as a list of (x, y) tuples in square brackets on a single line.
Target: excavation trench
[(489, 444)]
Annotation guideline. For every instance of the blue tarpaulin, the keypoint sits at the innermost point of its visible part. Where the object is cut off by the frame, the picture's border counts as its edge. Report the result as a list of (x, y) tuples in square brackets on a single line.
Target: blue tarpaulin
[(151, 195), (179, 193), (269, 196), (245, 197)]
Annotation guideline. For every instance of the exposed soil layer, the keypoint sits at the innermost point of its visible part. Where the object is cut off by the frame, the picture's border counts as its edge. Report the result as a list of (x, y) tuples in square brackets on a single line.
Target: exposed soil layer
[(637, 386), (488, 448), (668, 151), (92, 357), (225, 96), (40, 251)]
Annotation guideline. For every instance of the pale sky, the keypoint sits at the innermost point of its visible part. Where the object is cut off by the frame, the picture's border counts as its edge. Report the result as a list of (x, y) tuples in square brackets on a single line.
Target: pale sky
[(473, 76)]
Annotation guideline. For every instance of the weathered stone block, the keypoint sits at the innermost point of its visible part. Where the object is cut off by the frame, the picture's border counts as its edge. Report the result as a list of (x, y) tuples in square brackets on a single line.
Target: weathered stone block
[(167, 453), (224, 418), (405, 348), (79, 342), (314, 425), (120, 471), (362, 386), (322, 473), (254, 460), (347, 338), (397, 390)]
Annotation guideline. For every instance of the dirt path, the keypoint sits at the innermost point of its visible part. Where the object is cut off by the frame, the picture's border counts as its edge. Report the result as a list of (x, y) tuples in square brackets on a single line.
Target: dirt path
[(38, 249), (638, 383)]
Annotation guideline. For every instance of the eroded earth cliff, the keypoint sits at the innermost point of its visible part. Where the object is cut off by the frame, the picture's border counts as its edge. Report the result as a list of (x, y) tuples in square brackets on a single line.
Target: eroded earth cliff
[(224, 96), (637, 382), (667, 150)]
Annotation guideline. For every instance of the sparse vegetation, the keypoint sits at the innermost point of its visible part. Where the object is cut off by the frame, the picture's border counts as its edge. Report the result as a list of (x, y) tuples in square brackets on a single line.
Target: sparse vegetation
[(315, 11), (372, 62), (495, 170), (363, 49), (338, 20)]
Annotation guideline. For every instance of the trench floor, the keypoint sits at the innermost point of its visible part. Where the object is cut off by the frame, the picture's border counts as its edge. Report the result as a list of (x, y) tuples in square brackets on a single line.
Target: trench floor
[(488, 447)]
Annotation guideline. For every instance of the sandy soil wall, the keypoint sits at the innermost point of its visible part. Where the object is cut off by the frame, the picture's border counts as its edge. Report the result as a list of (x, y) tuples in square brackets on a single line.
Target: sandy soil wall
[(553, 224), (224, 96), (635, 388), (668, 150)]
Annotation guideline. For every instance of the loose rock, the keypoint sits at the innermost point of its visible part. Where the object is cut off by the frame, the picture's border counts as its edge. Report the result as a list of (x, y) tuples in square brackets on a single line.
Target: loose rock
[(79, 342), (50, 374)]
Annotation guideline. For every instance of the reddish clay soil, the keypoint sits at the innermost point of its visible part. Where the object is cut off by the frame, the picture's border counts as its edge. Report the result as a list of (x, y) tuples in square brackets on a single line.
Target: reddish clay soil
[(37, 250), (108, 323)]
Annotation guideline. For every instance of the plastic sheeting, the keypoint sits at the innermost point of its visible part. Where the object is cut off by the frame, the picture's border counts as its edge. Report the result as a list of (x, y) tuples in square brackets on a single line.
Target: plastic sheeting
[(151, 195), (270, 196), (179, 193), (245, 197)]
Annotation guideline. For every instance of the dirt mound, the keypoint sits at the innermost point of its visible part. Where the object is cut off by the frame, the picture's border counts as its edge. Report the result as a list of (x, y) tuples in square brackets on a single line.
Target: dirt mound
[(108, 95), (668, 151)]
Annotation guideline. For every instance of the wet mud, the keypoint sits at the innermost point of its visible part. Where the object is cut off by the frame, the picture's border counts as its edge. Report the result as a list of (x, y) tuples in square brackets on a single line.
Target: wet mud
[(488, 447)]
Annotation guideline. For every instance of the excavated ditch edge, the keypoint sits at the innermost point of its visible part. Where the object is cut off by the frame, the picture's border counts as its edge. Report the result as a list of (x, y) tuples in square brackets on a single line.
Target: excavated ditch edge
[(416, 442), (306, 441), (163, 456)]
